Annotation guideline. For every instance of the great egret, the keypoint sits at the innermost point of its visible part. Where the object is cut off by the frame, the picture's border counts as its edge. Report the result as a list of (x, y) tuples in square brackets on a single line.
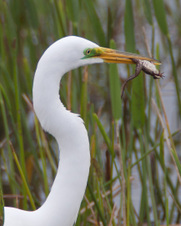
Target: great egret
[(62, 205)]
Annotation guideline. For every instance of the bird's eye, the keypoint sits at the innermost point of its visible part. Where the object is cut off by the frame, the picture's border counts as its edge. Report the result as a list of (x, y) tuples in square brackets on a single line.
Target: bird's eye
[(88, 51)]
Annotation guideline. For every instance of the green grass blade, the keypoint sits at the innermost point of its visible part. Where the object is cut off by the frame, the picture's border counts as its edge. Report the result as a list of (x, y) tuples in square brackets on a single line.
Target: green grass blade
[(160, 14), (19, 126), (23, 177), (138, 102), (147, 11), (129, 27), (84, 96), (137, 96), (97, 204), (7, 135), (95, 22), (42, 156), (103, 132), (115, 88), (175, 74), (58, 16), (144, 206), (177, 161), (31, 13), (162, 155), (73, 10)]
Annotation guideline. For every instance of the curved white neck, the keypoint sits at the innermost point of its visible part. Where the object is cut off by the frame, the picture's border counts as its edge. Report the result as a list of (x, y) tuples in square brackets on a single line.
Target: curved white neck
[(63, 202), (68, 129)]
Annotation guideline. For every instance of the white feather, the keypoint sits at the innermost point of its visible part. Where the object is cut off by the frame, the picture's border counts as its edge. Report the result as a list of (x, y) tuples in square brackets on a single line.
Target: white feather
[(63, 203)]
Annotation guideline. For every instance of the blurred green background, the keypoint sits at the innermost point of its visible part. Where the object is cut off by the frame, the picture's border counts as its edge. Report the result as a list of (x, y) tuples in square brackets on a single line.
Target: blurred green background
[(135, 171)]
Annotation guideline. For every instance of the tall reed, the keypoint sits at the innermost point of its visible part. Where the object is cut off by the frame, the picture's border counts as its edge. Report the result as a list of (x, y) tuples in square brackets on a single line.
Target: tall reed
[(127, 137)]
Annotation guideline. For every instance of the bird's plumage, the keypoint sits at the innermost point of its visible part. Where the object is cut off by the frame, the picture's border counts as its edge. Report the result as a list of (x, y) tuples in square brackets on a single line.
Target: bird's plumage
[(63, 202)]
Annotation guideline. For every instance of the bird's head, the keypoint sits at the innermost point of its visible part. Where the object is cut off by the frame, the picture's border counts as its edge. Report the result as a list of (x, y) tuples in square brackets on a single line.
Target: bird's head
[(62, 56), (73, 52)]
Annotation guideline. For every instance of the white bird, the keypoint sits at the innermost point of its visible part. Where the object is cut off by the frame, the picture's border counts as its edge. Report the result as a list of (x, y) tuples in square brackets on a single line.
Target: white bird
[(62, 204)]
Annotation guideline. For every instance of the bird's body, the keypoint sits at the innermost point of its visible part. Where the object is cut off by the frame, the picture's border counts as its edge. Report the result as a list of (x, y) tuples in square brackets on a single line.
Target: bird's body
[(63, 203)]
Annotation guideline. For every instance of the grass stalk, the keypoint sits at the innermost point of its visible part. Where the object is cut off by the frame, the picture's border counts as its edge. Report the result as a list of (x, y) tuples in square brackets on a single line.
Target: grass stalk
[(24, 35), (42, 155), (123, 181), (23, 177)]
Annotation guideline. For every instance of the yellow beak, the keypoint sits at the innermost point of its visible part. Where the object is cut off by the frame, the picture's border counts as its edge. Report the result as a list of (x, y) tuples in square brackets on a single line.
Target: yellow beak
[(114, 56)]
